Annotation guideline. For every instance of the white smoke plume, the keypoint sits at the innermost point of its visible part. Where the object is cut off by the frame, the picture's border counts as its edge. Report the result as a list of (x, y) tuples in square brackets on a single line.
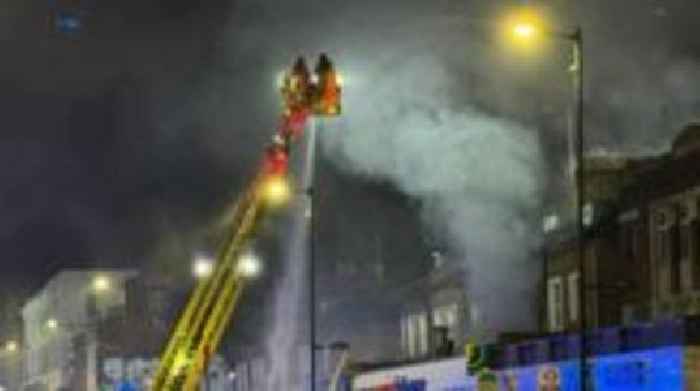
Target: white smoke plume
[(478, 176)]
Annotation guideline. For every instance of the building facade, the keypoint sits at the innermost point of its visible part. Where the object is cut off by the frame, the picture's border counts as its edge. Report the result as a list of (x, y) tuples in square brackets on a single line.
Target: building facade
[(10, 338), (60, 327), (93, 329), (435, 317), (642, 249)]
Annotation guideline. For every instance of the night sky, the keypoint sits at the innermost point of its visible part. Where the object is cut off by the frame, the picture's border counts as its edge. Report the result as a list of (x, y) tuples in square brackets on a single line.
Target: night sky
[(90, 177), (120, 147)]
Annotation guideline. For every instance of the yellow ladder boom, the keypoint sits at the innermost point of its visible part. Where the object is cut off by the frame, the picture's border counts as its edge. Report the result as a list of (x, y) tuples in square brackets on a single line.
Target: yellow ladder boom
[(201, 325)]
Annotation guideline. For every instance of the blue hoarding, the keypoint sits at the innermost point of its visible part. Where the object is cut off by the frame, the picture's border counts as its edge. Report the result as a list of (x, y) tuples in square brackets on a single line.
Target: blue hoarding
[(641, 370), (656, 369)]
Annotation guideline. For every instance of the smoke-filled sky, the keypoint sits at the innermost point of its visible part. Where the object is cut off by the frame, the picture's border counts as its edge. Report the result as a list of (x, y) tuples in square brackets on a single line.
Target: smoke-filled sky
[(120, 147)]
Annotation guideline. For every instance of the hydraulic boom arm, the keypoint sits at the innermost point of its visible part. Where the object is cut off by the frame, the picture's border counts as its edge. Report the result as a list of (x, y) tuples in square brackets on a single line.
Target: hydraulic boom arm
[(200, 327)]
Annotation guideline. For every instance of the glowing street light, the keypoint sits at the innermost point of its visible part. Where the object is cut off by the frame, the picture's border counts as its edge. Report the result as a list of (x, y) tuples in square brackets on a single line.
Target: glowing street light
[(202, 267), (52, 324), (276, 190), (249, 265), (524, 30), (524, 27), (11, 346), (101, 284)]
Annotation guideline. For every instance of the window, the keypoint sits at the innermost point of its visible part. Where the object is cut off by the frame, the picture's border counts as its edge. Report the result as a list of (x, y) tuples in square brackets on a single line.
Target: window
[(685, 241), (629, 244), (663, 246), (695, 228), (555, 304), (423, 334), (414, 329), (405, 341), (411, 336), (573, 291), (626, 241), (588, 215), (675, 258), (661, 239), (661, 253), (446, 316)]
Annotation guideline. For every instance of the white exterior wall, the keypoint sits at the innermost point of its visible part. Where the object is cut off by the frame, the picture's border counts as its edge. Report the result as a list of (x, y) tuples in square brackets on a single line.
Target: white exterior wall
[(66, 298)]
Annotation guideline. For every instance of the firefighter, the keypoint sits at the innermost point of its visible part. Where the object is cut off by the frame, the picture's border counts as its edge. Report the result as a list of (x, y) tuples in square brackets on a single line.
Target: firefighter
[(276, 159), (327, 100)]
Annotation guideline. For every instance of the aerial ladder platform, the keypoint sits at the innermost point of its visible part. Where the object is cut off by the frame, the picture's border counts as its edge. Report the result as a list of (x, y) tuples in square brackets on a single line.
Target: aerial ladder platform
[(201, 325)]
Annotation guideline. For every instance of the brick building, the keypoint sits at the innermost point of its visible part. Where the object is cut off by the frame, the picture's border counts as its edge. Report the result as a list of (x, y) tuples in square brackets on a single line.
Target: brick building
[(642, 241)]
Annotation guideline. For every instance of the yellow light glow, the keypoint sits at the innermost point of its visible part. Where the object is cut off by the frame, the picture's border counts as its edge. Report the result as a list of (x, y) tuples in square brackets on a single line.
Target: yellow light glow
[(11, 346), (52, 324), (339, 80), (101, 283), (276, 190), (524, 30), (180, 362), (249, 265), (524, 26), (202, 267)]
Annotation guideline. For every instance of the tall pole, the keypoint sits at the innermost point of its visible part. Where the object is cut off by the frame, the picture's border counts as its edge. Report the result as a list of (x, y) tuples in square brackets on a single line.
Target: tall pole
[(311, 192), (577, 38)]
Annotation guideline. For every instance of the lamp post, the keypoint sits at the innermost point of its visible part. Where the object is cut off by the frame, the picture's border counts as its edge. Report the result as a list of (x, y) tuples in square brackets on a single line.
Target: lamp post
[(277, 192), (577, 39), (526, 30), (101, 284), (249, 265), (311, 194)]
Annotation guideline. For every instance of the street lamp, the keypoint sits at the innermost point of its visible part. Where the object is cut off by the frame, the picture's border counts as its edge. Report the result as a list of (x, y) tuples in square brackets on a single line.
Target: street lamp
[(523, 27), (202, 267), (11, 346), (276, 190), (52, 324), (249, 265), (101, 284), (527, 29), (524, 30), (310, 215)]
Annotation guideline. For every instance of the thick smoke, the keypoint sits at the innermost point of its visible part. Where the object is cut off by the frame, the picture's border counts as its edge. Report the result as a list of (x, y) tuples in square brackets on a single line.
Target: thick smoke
[(478, 176), (642, 75), (408, 120)]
